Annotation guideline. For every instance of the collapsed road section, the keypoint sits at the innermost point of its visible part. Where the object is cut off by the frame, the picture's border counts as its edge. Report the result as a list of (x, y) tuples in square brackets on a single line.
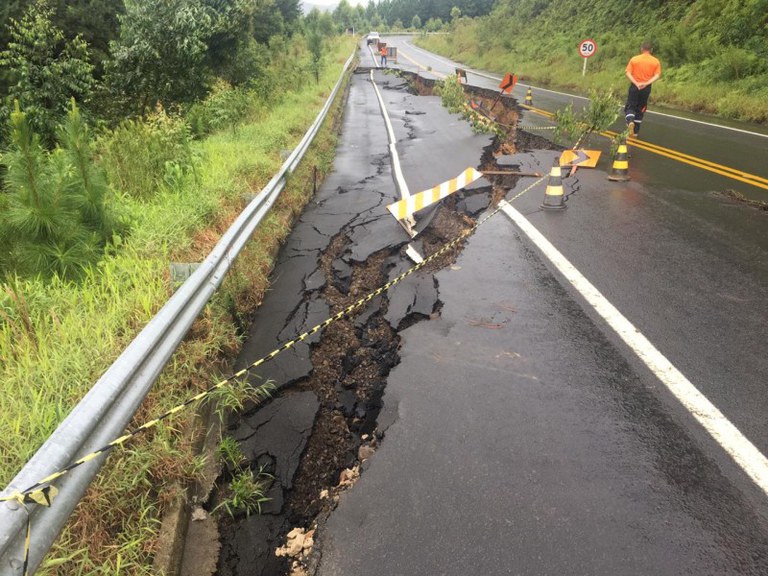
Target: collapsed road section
[(323, 422), (486, 423)]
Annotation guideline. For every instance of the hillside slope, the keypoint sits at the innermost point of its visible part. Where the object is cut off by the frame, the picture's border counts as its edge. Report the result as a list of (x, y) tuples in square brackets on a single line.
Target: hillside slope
[(714, 52)]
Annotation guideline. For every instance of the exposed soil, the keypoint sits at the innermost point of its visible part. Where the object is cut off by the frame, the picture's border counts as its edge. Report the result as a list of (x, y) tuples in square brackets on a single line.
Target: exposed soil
[(355, 355), (504, 111), (351, 363)]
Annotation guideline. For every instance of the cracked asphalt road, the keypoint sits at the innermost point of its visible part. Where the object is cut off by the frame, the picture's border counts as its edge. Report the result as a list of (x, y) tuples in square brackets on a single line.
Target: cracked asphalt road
[(521, 436), (351, 203), (351, 199)]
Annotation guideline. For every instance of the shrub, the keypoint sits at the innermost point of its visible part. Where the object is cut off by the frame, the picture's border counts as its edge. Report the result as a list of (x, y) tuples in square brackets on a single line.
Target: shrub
[(451, 93), (600, 113), (733, 63), (224, 108), (141, 156)]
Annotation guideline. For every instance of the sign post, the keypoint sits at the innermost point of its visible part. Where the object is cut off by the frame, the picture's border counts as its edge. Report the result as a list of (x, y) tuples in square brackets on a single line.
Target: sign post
[(506, 86), (587, 49)]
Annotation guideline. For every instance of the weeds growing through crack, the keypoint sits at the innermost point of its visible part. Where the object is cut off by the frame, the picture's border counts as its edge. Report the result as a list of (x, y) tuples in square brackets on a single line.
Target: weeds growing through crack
[(235, 396), (230, 453), (246, 493)]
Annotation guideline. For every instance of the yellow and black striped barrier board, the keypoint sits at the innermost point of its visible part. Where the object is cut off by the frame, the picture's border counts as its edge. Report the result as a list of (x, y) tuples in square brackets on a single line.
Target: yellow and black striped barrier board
[(43, 492), (409, 206)]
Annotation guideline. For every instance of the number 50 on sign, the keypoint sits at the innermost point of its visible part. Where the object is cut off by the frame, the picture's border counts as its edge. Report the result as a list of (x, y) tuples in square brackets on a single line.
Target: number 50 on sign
[(587, 49)]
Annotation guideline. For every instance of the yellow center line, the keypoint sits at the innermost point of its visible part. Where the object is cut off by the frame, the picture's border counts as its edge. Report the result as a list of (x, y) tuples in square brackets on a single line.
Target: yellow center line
[(418, 65), (732, 173), (682, 157), (538, 111)]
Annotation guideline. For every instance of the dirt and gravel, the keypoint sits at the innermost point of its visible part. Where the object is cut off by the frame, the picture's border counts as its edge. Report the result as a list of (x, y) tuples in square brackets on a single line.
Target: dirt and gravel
[(338, 396)]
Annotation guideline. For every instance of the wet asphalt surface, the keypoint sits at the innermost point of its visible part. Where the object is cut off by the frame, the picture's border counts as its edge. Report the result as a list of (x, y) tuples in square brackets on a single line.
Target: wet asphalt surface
[(734, 149), (520, 436), (688, 267)]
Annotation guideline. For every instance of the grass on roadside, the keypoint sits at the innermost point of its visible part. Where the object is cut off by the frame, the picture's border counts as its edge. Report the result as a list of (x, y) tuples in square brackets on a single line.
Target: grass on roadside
[(561, 67), (57, 338)]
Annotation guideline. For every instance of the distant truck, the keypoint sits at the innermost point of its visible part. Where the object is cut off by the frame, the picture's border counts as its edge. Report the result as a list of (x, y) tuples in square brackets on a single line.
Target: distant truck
[(372, 38)]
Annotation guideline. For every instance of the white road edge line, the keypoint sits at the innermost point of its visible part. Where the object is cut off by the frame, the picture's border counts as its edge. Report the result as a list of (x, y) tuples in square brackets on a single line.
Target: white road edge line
[(400, 180), (375, 63), (400, 183), (648, 113), (743, 452)]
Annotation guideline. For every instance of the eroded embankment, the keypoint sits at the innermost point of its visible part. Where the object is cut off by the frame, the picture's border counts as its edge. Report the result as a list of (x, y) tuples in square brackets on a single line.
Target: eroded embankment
[(315, 435)]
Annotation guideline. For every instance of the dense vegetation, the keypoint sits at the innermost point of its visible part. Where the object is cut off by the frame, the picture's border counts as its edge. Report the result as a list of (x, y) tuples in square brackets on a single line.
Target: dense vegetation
[(714, 53), (159, 72), (132, 135), (428, 15)]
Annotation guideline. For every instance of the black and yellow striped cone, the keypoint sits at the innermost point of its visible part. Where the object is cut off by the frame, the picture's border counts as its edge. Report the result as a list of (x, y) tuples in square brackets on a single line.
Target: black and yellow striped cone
[(554, 196), (529, 97), (620, 169)]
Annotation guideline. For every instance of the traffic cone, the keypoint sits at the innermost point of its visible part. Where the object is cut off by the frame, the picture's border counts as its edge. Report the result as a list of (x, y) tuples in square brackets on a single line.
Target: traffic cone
[(620, 169), (554, 196), (529, 97)]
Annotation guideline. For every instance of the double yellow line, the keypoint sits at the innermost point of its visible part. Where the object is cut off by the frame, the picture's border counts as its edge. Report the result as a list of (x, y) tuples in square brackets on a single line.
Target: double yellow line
[(746, 177), (732, 173), (418, 64), (715, 168)]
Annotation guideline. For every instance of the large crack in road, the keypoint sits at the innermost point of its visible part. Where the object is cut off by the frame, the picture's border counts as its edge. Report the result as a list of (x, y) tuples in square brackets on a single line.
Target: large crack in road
[(324, 421), (510, 432)]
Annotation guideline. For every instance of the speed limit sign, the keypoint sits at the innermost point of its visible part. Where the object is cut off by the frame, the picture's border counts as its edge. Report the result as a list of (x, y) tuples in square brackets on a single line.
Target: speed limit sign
[(587, 48)]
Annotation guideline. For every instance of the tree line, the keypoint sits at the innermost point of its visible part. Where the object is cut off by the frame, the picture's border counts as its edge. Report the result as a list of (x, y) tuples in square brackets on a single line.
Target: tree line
[(101, 98), (416, 14), (117, 57)]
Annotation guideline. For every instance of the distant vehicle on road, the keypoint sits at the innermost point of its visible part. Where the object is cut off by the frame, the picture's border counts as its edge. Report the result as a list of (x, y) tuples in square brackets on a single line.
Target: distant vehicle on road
[(372, 38)]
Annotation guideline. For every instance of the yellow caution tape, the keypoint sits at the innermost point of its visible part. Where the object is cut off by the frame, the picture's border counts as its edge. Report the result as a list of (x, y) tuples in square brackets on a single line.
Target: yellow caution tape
[(42, 495), (523, 127), (43, 492)]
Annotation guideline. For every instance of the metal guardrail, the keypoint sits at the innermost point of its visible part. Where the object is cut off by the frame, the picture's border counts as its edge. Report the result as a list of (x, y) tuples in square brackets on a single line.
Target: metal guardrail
[(105, 411)]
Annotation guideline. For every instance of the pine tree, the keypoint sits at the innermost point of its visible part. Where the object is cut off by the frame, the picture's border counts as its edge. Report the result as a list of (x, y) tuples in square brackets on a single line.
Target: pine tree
[(89, 180), (55, 213)]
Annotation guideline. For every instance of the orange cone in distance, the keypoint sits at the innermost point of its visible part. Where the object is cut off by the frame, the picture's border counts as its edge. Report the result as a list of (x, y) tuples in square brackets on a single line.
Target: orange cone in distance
[(554, 196), (620, 169)]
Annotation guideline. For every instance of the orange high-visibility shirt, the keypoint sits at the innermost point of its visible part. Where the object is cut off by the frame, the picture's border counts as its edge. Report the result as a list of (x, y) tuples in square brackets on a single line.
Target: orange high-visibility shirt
[(643, 67)]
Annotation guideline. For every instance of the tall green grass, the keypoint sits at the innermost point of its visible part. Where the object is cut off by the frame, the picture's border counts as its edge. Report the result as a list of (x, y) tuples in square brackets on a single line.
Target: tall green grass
[(545, 53), (57, 337)]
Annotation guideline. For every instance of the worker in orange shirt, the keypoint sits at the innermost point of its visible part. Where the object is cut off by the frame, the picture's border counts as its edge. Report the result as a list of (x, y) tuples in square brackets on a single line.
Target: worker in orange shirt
[(383, 53), (642, 71)]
